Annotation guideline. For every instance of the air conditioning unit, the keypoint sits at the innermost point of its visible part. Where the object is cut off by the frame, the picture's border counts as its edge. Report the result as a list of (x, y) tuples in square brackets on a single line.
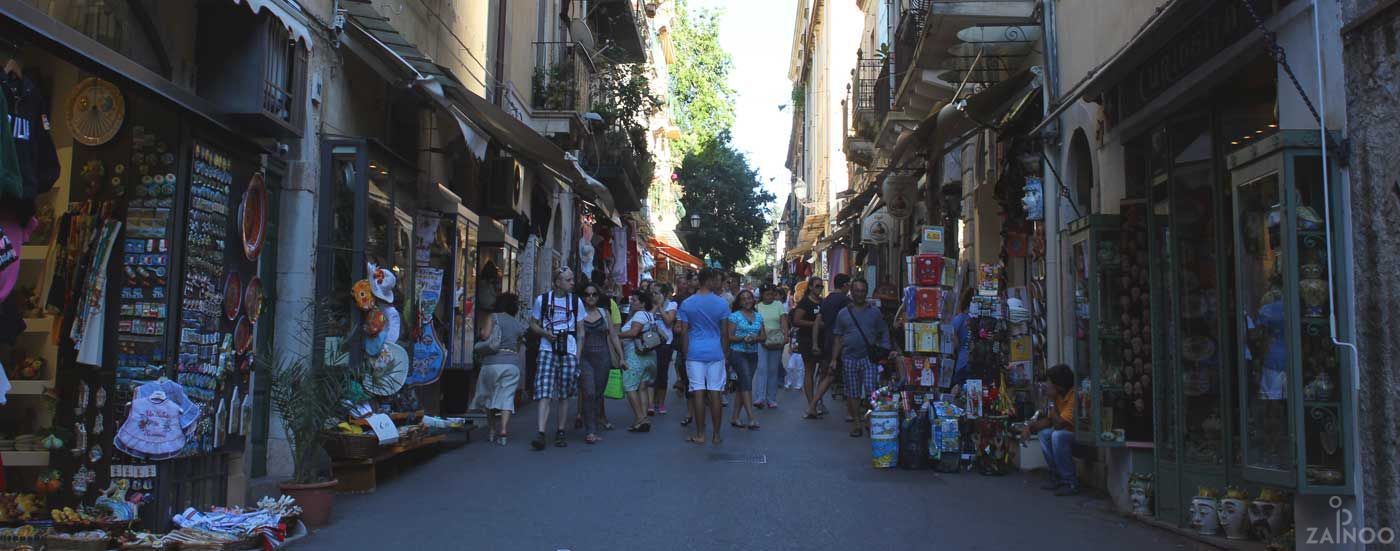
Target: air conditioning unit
[(505, 178)]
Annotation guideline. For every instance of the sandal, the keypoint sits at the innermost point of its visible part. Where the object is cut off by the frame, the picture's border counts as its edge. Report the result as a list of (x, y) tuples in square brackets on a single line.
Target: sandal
[(644, 427), (738, 425), (813, 416), (635, 428), (559, 441), (538, 443), (753, 426), (695, 440), (717, 440), (855, 432), (607, 426), (590, 439), (501, 439), (687, 421)]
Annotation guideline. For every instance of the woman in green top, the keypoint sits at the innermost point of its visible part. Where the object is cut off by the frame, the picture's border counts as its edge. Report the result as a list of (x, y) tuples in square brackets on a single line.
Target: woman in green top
[(770, 354)]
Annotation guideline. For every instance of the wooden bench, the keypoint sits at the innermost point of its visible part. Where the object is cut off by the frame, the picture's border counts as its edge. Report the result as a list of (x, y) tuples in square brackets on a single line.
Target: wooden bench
[(360, 476)]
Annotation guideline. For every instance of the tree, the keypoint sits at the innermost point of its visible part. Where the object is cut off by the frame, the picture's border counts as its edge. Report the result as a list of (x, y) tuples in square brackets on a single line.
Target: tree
[(720, 186), (702, 101)]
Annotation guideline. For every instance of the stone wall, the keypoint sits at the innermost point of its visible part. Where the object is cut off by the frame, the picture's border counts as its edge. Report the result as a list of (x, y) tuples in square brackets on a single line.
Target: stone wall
[(1372, 60)]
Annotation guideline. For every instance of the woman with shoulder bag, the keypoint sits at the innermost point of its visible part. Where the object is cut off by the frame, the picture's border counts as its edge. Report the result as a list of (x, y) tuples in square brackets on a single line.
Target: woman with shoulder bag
[(601, 352), (770, 355), (640, 339), (499, 347), (745, 328)]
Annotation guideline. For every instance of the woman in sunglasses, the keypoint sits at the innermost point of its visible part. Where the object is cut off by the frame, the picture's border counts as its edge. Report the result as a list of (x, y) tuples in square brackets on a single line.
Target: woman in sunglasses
[(601, 351)]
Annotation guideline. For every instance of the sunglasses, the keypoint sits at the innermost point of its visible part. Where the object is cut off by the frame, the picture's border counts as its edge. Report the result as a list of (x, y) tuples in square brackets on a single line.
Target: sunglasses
[(590, 293)]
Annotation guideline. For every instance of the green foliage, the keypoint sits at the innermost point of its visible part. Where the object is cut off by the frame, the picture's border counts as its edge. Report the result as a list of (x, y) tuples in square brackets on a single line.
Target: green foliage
[(622, 96), (720, 186), (309, 395), (761, 272), (552, 88), (702, 100), (799, 97)]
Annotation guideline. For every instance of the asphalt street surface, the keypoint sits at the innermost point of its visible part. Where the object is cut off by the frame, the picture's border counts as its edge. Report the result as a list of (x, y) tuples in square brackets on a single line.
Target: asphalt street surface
[(793, 485)]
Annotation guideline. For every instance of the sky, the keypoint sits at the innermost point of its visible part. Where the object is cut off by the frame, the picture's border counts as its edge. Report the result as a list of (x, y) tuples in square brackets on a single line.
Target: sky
[(758, 36)]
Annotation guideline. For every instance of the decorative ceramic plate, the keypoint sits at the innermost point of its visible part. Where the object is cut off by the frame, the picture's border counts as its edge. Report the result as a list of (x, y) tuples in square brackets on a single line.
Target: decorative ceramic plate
[(253, 216), (96, 112), (253, 299), (243, 335), (233, 295)]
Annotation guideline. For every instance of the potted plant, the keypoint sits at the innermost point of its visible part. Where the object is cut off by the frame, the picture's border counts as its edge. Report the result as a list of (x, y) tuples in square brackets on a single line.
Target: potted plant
[(308, 396)]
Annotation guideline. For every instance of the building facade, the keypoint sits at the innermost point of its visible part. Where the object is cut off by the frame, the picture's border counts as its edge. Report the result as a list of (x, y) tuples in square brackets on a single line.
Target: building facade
[(465, 148), (1172, 192)]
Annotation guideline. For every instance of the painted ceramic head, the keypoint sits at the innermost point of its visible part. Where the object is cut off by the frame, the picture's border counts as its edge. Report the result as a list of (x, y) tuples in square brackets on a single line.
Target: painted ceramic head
[(374, 321), (1203, 515), (1034, 200), (1233, 518), (363, 295)]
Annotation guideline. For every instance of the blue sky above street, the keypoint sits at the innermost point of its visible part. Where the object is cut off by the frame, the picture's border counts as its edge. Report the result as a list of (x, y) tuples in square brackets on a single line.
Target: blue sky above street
[(758, 35)]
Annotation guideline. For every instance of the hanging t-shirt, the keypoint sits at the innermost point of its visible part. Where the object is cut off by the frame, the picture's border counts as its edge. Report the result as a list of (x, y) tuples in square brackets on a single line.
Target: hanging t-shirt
[(29, 125), (11, 184)]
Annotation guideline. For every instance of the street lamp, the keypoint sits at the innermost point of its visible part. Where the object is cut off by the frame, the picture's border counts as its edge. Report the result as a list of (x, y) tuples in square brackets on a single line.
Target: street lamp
[(694, 219)]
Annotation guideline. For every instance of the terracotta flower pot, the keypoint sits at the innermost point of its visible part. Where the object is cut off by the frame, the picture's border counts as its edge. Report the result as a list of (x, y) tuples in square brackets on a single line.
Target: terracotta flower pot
[(315, 500)]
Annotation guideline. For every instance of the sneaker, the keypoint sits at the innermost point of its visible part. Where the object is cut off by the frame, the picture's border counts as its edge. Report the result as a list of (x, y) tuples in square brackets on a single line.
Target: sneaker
[(1068, 490), (772, 405), (661, 409), (538, 443)]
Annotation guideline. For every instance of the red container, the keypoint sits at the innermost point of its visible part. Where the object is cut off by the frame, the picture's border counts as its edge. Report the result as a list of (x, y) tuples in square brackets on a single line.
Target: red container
[(928, 270)]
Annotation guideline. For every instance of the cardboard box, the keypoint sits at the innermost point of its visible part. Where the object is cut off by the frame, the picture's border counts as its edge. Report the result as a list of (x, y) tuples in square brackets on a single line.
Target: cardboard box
[(931, 240)]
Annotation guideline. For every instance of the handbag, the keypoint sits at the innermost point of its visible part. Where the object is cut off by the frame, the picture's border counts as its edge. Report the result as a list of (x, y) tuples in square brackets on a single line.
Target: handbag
[(493, 343), (614, 389), (775, 339), (877, 353), (650, 338)]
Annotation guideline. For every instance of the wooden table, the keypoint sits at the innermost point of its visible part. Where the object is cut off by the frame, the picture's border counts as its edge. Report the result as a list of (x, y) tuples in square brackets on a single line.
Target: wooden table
[(360, 476)]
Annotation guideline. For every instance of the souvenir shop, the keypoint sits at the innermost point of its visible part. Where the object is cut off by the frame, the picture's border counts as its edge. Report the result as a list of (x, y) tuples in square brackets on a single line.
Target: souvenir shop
[(1202, 291), (977, 232), (134, 304)]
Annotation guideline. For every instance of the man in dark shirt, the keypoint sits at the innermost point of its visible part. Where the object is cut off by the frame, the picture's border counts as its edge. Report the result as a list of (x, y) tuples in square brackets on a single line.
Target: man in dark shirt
[(830, 306)]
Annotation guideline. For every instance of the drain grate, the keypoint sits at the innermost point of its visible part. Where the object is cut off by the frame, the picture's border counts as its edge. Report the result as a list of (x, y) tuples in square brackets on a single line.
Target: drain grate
[(730, 457)]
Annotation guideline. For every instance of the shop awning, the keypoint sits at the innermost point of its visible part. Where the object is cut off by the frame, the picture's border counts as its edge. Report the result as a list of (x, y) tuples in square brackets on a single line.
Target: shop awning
[(675, 254), (841, 233), (602, 198), (858, 202), (800, 251), (983, 109), (398, 60), (295, 28)]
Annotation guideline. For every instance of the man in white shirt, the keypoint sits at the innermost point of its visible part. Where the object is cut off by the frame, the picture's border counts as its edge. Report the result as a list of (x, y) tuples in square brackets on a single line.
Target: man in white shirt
[(555, 319)]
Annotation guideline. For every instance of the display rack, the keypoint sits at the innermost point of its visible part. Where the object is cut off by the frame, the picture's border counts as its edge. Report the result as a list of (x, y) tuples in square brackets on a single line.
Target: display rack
[(1098, 347), (1290, 368)]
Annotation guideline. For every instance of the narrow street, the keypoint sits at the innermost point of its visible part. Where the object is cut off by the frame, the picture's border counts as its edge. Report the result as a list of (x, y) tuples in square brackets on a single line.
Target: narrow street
[(794, 484)]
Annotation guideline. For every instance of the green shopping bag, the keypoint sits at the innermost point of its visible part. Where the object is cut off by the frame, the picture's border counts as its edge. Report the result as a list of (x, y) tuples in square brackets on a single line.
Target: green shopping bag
[(614, 390)]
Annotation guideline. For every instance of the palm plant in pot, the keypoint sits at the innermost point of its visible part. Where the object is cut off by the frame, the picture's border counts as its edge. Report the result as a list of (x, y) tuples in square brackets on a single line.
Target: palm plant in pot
[(309, 397)]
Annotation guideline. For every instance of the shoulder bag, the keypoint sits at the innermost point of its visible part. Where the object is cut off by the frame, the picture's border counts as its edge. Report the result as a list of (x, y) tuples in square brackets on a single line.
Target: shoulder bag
[(877, 354), (650, 338)]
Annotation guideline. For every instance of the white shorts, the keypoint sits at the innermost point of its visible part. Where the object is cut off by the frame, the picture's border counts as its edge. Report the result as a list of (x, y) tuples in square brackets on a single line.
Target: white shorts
[(705, 375)]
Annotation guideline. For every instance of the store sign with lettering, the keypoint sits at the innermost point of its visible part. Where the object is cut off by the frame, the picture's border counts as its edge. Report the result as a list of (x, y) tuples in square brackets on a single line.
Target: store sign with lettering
[(1206, 35)]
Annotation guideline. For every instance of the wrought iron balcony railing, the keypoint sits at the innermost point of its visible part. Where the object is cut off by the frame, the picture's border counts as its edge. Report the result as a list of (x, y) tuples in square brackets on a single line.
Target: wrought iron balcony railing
[(555, 84)]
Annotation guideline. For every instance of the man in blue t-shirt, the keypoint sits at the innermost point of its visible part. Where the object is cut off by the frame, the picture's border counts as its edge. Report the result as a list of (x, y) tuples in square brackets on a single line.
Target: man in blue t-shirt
[(698, 328)]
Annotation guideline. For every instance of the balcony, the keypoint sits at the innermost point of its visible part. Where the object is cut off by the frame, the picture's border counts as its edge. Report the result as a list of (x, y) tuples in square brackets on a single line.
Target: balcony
[(620, 160), (555, 84), (946, 44), (618, 26)]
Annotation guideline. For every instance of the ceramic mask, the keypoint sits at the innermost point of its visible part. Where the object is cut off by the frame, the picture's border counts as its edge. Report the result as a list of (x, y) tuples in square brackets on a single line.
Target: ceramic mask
[(1266, 519), (1203, 517), (1233, 518), (1140, 492), (1034, 200)]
